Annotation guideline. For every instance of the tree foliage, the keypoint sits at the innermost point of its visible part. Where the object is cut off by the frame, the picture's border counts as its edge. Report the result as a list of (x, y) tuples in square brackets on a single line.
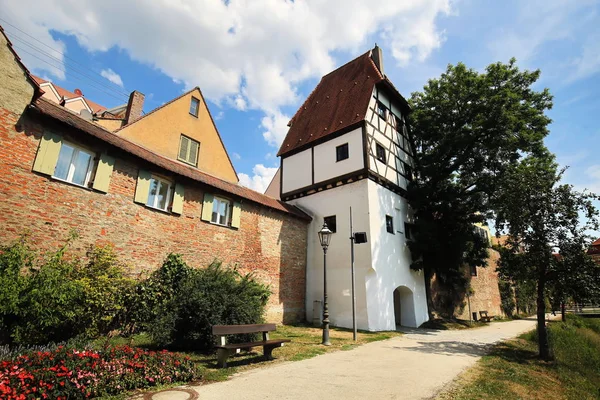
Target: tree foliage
[(469, 128), (541, 215)]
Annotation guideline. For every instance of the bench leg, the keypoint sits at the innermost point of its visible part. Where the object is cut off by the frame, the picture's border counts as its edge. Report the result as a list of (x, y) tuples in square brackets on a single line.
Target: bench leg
[(268, 351), (222, 355)]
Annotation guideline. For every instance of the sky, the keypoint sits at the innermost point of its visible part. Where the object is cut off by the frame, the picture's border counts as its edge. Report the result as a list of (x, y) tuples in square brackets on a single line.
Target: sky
[(257, 60)]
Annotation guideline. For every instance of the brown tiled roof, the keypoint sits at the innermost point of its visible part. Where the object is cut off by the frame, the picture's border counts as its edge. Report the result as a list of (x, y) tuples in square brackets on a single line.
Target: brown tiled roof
[(57, 112), (70, 95), (596, 243), (340, 100)]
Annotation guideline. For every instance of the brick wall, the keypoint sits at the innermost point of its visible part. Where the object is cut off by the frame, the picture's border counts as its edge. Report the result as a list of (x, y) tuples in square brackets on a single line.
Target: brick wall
[(269, 243)]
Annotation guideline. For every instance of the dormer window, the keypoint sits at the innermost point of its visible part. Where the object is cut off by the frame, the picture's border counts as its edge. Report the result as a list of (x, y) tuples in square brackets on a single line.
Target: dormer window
[(188, 150), (194, 106)]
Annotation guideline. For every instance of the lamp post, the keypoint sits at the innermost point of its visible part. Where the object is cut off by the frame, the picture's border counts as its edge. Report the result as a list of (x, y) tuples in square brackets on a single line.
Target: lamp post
[(324, 238)]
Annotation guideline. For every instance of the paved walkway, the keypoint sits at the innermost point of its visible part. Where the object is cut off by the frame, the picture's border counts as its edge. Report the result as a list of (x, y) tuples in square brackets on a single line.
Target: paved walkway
[(415, 366)]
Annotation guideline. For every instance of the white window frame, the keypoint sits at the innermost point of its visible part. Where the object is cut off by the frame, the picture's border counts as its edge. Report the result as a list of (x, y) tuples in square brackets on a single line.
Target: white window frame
[(76, 150), (161, 181), (216, 202)]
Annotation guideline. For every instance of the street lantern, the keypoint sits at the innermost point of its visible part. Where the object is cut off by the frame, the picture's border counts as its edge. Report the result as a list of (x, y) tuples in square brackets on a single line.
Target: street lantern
[(325, 237)]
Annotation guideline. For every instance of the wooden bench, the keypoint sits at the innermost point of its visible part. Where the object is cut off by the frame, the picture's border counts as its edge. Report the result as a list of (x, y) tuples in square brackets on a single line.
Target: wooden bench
[(224, 350), (483, 315)]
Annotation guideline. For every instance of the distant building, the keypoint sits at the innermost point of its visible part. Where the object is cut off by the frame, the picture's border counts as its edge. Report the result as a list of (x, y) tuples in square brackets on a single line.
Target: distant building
[(594, 251)]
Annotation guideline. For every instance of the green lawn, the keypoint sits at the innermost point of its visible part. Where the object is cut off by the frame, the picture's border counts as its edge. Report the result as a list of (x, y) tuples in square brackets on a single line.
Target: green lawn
[(513, 371), (306, 343)]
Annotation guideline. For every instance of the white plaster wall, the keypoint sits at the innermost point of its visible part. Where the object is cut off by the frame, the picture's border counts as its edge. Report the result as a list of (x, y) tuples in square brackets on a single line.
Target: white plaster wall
[(326, 166), (390, 261), (76, 105), (297, 171), (337, 202)]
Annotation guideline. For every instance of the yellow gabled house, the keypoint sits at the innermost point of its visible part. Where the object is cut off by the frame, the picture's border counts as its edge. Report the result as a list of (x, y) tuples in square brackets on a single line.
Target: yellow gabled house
[(182, 129)]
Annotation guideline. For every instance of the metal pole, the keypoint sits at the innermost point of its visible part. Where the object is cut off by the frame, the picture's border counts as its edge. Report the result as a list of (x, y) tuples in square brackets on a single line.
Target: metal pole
[(325, 307), (352, 268)]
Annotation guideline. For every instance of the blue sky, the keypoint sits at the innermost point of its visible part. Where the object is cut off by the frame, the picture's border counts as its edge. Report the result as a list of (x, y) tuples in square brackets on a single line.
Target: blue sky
[(256, 61)]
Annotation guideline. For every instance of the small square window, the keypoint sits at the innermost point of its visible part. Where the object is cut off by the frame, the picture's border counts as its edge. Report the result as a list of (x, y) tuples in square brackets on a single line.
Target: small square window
[(159, 194), (381, 110), (341, 152), (331, 223), (188, 150), (74, 164), (380, 152), (389, 224), (221, 212), (194, 106)]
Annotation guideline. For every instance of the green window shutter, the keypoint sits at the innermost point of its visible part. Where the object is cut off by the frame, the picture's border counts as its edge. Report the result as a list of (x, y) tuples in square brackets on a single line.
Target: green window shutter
[(178, 199), (183, 148), (47, 155), (235, 215), (193, 157), (207, 207), (143, 186), (103, 173)]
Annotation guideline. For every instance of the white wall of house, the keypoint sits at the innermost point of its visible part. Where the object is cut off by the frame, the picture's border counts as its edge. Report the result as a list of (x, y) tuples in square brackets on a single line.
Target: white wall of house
[(391, 264), (337, 202), (296, 171), (326, 166)]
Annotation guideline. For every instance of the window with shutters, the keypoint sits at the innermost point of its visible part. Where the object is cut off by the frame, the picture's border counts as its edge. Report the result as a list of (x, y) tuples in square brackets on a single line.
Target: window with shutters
[(221, 211), (159, 194), (194, 106), (188, 150), (74, 164)]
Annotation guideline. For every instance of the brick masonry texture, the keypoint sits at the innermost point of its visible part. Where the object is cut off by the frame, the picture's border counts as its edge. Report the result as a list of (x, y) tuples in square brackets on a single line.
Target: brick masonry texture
[(269, 243)]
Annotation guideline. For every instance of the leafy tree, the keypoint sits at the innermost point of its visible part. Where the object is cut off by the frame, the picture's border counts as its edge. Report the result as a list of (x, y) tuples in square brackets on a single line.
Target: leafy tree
[(540, 214), (469, 127)]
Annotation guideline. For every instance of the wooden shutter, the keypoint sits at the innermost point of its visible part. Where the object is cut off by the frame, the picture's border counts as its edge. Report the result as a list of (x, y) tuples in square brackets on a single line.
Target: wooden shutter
[(183, 148), (104, 172), (193, 154), (236, 214), (178, 199), (207, 207), (143, 186), (47, 155)]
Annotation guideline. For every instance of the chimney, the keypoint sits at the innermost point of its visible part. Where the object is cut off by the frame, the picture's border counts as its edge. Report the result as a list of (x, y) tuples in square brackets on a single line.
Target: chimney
[(78, 92), (377, 56), (134, 107)]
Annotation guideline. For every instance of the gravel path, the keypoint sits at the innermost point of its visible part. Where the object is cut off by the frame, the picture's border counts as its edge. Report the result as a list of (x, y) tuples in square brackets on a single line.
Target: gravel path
[(415, 366)]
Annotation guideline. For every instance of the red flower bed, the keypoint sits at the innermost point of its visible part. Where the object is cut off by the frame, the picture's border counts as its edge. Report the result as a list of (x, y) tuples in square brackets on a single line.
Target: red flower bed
[(67, 373)]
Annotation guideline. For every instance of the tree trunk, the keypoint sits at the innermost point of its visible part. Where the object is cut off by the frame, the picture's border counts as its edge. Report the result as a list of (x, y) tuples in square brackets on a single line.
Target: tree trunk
[(543, 344), (428, 275), (562, 312)]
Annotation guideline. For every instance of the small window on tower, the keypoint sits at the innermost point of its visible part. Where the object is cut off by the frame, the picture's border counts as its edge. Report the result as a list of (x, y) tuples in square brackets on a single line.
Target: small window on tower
[(389, 224), (380, 152), (407, 171), (409, 231), (381, 109), (341, 152), (331, 224)]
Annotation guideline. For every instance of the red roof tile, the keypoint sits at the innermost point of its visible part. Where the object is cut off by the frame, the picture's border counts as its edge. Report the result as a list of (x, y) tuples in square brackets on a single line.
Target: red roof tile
[(340, 100), (596, 243), (57, 112), (70, 95)]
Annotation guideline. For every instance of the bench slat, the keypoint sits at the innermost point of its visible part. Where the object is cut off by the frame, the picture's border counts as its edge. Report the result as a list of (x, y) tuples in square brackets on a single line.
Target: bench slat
[(253, 344), (237, 329)]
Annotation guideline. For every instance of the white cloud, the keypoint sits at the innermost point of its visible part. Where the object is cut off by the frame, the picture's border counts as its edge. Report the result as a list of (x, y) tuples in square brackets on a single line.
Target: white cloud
[(252, 54), (236, 156), (260, 180), (112, 76), (275, 125)]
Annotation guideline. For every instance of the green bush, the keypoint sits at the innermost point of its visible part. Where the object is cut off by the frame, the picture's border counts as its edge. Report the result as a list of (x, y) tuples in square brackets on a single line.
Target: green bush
[(53, 298), (212, 296)]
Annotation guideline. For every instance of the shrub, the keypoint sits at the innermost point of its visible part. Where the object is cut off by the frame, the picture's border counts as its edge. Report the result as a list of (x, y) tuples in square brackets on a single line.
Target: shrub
[(69, 373), (212, 296), (56, 298)]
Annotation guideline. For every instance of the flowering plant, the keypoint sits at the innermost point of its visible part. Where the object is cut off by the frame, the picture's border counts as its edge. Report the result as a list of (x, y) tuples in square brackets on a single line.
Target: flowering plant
[(68, 373)]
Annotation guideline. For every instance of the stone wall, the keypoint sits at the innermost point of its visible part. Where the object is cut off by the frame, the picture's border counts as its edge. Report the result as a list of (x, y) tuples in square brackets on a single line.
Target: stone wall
[(270, 243)]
